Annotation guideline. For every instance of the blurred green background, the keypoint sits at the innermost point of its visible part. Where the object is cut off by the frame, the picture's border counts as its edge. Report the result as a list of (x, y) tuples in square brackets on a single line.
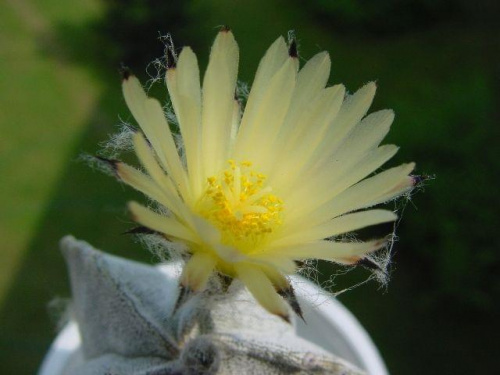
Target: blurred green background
[(437, 65)]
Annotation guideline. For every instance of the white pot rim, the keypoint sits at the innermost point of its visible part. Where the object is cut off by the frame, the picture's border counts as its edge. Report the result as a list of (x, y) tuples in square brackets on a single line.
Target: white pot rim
[(328, 311)]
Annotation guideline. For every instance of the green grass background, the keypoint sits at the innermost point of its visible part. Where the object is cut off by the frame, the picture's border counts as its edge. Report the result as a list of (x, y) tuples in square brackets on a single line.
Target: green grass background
[(60, 96)]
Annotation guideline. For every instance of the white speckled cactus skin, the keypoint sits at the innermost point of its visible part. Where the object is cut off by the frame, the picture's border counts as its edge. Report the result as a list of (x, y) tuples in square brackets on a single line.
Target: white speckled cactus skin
[(125, 313)]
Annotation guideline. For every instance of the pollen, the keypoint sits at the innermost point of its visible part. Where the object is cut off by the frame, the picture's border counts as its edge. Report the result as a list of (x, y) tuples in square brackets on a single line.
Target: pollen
[(241, 206)]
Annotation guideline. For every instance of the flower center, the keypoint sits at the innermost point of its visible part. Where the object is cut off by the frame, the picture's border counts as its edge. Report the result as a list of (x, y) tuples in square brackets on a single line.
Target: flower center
[(241, 206)]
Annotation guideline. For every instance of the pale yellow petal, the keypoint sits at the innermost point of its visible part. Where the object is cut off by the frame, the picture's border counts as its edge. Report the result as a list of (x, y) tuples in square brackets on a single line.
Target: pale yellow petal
[(280, 262), (403, 187), (269, 65), (337, 226), (147, 159), (369, 163), (339, 127), (315, 122), (197, 271), (149, 114), (262, 289), (279, 280), (329, 250), (312, 77), (311, 80), (211, 236), (235, 123), (366, 136), (350, 168), (183, 82), (352, 111), (257, 145), (325, 187), (160, 223), (295, 151), (368, 192), (142, 183), (163, 139), (271, 62), (219, 85)]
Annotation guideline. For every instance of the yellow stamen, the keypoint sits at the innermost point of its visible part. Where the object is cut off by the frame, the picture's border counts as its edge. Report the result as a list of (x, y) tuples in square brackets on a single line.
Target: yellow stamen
[(238, 203)]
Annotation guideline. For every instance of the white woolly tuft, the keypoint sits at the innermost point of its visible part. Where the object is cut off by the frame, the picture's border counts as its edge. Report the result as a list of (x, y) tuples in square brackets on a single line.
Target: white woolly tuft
[(97, 164), (171, 118), (157, 68), (380, 259), (119, 142), (179, 142), (161, 248), (383, 258), (242, 92), (309, 269)]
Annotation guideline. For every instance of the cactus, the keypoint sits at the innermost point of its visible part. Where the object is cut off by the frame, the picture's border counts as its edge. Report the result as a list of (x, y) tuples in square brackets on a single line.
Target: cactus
[(129, 324)]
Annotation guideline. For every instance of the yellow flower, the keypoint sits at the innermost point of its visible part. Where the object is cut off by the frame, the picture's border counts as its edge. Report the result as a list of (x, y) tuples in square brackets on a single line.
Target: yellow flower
[(251, 193)]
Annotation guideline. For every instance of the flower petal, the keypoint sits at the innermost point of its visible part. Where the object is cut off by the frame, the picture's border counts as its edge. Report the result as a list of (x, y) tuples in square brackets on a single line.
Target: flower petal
[(161, 223), (326, 187), (352, 111), (311, 79), (362, 167), (149, 114), (329, 250), (219, 85), (262, 289), (268, 119), (211, 236), (197, 271), (145, 155), (374, 190), (235, 123), (272, 61), (143, 183), (337, 226), (366, 136), (280, 262), (183, 82), (294, 151), (284, 289)]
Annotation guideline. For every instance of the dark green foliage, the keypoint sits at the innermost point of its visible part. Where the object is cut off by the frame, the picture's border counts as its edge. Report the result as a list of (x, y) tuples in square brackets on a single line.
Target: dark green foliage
[(396, 16), (130, 27)]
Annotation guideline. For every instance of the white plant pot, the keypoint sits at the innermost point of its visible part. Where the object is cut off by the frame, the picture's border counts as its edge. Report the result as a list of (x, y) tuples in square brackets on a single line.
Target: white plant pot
[(330, 325)]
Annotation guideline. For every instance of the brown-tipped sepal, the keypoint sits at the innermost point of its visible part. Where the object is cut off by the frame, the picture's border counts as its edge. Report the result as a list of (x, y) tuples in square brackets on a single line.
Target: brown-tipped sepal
[(125, 72), (420, 180), (170, 54), (292, 48), (370, 264), (110, 165), (285, 317), (171, 57), (185, 294), (290, 297), (142, 230), (263, 290)]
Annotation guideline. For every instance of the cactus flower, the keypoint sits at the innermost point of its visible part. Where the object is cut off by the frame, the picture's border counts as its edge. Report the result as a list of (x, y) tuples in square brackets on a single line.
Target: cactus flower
[(251, 191)]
